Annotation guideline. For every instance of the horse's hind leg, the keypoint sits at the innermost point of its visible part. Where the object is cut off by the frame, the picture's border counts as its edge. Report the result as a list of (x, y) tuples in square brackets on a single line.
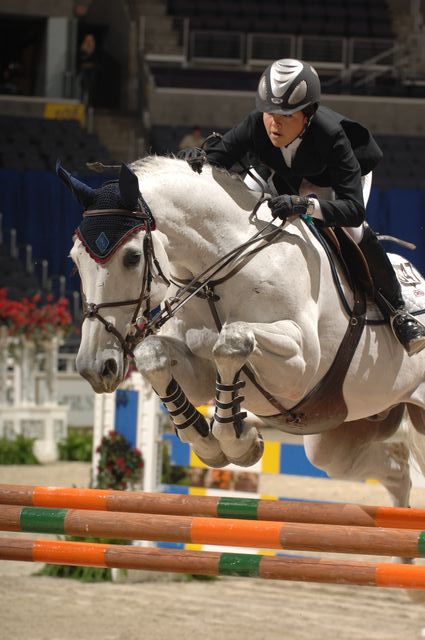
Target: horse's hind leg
[(417, 416), (240, 442), (355, 451), (416, 436), (155, 358)]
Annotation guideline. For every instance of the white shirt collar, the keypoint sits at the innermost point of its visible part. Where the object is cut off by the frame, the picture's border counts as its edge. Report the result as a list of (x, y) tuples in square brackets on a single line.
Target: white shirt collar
[(290, 150)]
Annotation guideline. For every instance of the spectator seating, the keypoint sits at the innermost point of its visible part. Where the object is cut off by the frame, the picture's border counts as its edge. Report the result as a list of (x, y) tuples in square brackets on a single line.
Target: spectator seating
[(227, 80), (36, 143), (359, 18), (14, 278)]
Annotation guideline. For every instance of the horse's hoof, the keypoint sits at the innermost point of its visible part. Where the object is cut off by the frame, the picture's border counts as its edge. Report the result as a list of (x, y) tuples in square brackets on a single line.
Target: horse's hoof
[(207, 448), (250, 457), (216, 461)]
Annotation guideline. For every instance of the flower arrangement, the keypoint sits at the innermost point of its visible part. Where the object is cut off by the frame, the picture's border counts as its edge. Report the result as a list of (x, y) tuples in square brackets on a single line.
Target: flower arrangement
[(120, 465), (32, 318)]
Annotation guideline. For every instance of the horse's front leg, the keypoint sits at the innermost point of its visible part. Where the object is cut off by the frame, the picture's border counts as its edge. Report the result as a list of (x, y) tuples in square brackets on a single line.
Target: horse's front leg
[(173, 371), (241, 443)]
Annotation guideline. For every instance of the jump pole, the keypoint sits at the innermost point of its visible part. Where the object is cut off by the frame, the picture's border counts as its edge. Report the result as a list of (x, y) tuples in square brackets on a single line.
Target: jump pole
[(215, 531), (214, 563), (212, 506)]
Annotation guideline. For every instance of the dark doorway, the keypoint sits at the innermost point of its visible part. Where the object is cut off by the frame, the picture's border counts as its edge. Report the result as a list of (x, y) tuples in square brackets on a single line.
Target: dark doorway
[(105, 77), (21, 54)]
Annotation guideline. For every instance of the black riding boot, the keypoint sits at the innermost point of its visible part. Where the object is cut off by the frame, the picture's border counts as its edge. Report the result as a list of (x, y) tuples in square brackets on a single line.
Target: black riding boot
[(406, 328)]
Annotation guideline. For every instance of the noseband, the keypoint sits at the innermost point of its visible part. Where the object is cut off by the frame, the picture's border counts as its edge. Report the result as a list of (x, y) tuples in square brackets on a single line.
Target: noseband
[(92, 310)]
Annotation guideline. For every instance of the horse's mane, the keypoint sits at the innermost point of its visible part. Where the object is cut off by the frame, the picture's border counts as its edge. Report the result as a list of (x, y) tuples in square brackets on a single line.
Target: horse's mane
[(161, 164), (221, 178)]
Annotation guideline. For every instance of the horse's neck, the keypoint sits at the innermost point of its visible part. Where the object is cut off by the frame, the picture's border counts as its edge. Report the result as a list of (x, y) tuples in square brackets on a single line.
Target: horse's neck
[(200, 220)]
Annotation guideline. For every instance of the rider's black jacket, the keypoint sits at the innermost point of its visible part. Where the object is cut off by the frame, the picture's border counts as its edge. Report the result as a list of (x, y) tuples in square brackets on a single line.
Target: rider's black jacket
[(334, 152)]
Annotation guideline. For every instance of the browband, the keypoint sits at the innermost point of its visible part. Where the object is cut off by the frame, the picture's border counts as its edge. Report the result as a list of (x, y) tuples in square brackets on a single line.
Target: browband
[(116, 212)]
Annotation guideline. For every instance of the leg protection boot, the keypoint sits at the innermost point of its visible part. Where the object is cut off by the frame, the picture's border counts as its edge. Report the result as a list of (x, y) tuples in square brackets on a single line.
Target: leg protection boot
[(406, 328)]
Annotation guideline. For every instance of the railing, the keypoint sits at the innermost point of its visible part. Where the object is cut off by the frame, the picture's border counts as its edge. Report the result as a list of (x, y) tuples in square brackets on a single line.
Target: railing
[(247, 50)]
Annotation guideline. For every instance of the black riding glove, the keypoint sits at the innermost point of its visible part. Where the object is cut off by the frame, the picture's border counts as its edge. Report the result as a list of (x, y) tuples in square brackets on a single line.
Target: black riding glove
[(285, 206), (194, 156)]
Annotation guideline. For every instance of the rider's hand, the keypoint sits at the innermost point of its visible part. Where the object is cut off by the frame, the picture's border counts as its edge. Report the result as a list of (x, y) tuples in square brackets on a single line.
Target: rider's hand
[(285, 206), (195, 157)]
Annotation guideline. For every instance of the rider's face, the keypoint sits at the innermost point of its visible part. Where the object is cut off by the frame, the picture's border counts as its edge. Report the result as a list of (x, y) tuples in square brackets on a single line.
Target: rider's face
[(284, 129)]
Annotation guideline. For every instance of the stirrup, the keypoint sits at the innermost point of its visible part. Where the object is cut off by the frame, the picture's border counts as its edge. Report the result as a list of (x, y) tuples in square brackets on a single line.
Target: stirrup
[(409, 331)]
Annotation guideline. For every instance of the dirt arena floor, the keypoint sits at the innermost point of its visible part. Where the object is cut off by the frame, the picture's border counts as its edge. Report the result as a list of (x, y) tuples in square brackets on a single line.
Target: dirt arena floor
[(41, 608)]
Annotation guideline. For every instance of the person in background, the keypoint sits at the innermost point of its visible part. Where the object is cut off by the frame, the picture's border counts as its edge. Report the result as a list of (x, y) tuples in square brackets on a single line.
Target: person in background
[(87, 68), (321, 164), (192, 139)]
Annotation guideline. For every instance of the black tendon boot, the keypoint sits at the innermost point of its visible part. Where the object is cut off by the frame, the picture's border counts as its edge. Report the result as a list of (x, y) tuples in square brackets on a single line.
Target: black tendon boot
[(406, 328)]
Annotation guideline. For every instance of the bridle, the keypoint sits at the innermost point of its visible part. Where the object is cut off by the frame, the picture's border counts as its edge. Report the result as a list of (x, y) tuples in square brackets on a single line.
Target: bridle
[(92, 310)]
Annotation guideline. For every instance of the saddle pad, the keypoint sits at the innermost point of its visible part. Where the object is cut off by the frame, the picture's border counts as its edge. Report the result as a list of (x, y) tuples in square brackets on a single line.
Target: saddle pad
[(412, 285)]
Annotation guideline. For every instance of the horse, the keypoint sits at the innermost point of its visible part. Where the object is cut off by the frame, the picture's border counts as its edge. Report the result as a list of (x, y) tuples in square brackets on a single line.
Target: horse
[(242, 301)]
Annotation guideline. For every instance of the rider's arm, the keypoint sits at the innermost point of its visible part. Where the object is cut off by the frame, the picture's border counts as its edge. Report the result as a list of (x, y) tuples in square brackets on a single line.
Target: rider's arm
[(347, 209), (233, 145)]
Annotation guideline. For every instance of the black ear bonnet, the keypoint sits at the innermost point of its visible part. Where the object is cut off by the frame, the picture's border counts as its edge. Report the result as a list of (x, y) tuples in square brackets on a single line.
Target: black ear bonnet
[(102, 234)]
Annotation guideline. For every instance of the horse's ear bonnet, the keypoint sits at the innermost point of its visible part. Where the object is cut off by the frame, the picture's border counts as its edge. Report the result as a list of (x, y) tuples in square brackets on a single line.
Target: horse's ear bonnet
[(129, 187), (101, 234), (84, 194)]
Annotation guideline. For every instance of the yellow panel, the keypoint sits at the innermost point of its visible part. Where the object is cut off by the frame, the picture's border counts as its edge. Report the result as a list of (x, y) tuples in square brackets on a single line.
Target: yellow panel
[(197, 491), (270, 462), (193, 547), (266, 497), (195, 462), (205, 409), (65, 111)]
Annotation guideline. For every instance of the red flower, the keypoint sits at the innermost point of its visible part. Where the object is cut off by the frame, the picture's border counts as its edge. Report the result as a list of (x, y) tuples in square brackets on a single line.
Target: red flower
[(33, 319)]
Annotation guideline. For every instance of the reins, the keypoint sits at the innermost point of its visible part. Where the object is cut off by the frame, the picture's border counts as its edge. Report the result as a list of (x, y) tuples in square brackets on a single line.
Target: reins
[(203, 284)]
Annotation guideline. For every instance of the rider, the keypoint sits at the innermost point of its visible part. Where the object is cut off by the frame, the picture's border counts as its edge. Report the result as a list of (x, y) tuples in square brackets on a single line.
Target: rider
[(308, 147)]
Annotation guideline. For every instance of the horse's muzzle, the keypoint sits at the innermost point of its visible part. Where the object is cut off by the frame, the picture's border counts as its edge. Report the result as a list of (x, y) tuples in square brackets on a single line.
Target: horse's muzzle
[(106, 375)]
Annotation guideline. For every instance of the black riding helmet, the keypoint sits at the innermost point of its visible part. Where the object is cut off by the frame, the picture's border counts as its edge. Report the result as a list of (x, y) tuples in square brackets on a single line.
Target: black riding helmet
[(287, 86)]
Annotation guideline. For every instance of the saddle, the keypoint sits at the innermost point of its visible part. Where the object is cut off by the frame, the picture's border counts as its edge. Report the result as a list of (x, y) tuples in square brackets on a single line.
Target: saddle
[(350, 257)]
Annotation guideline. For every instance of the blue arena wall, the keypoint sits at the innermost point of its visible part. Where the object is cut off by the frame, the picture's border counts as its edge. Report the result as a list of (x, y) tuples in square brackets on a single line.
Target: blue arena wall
[(46, 215)]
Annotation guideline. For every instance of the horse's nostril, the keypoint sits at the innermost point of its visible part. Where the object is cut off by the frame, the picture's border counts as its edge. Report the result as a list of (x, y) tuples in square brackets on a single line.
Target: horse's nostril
[(110, 368)]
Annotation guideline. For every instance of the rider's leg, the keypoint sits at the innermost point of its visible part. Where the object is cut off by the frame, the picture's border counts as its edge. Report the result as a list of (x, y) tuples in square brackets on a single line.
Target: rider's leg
[(407, 329)]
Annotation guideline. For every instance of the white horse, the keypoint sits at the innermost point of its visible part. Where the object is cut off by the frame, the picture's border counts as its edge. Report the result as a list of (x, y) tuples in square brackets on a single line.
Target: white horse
[(277, 310)]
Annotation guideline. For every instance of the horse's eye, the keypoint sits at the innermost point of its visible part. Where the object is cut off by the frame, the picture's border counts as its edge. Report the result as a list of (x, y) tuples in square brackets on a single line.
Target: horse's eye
[(132, 259)]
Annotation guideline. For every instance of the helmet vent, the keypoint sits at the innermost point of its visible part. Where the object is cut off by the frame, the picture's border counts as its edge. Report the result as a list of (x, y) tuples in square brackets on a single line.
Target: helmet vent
[(262, 88), (299, 93), (282, 74)]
